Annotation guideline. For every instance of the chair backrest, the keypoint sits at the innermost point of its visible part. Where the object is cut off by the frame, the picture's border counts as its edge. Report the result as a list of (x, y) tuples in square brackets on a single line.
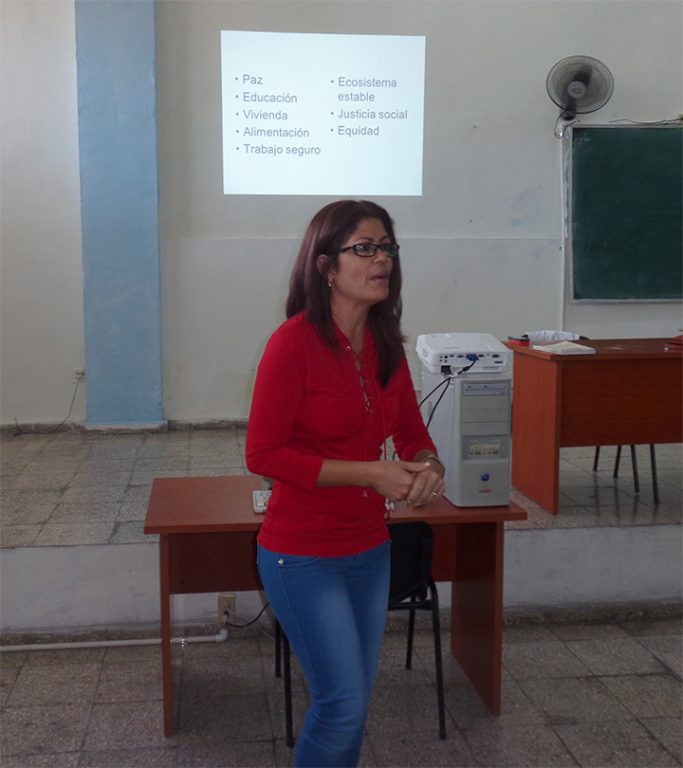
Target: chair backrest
[(411, 559)]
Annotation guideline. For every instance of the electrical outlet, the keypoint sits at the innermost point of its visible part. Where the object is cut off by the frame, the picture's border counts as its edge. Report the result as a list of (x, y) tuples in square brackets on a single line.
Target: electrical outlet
[(226, 602), (79, 374)]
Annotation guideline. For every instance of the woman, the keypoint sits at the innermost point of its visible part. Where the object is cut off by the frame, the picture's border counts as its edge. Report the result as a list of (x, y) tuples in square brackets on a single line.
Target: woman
[(332, 386)]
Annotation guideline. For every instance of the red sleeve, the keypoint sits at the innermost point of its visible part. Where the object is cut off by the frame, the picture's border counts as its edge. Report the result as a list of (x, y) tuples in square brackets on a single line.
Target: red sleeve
[(278, 390), (411, 437)]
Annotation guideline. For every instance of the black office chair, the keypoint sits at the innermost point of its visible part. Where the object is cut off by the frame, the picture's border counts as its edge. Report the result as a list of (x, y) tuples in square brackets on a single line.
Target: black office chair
[(634, 465), (411, 589)]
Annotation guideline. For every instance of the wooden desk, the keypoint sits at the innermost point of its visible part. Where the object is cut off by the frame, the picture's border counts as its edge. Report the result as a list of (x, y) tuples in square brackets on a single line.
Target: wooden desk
[(629, 392), (207, 543)]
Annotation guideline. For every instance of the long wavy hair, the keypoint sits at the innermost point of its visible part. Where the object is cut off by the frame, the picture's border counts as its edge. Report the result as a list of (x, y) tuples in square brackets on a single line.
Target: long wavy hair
[(309, 292)]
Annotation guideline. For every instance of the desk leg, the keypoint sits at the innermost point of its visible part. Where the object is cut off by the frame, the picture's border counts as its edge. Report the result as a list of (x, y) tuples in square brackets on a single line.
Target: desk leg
[(167, 669), (536, 405), (477, 608)]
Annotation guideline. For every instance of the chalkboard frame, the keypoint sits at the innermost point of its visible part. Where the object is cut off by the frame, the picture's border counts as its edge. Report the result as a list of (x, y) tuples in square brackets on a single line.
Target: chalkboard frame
[(579, 254)]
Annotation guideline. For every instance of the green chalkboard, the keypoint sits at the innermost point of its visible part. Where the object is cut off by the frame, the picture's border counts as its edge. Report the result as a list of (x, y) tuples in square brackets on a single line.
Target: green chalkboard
[(626, 211)]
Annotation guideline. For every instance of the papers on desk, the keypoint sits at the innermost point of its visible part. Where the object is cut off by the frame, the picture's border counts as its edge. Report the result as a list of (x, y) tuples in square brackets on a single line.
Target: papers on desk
[(565, 348)]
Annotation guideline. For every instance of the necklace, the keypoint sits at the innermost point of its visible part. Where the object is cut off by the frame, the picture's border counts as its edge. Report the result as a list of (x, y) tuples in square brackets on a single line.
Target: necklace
[(358, 363)]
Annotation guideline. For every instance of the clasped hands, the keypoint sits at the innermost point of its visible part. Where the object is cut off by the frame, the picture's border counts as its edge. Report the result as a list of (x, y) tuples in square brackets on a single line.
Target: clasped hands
[(416, 482)]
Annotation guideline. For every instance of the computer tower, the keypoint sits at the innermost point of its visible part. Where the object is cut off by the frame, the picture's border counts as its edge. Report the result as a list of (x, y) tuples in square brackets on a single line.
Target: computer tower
[(468, 412)]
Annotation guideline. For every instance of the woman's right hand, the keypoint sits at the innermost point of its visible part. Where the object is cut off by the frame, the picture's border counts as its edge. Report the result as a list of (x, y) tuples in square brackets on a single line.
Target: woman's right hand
[(394, 479)]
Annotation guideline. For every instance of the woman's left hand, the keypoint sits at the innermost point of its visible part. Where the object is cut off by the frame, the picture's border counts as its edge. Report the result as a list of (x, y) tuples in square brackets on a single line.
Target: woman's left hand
[(427, 486)]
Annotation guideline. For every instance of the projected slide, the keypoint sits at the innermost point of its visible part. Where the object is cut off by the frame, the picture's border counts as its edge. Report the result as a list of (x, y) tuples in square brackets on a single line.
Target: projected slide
[(310, 114)]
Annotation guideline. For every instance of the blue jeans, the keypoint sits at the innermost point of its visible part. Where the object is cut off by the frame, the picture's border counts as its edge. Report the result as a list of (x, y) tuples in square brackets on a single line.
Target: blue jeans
[(333, 610)]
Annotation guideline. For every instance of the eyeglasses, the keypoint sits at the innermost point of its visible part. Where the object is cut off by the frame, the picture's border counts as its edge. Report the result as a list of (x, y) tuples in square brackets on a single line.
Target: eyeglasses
[(367, 250)]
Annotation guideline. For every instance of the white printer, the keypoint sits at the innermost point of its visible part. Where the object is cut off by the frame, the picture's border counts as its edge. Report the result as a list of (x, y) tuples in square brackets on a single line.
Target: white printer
[(466, 404)]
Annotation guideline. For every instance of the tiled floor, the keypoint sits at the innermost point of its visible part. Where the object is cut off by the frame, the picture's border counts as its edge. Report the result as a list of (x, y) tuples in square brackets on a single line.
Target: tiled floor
[(599, 694), (74, 488), (574, 695)]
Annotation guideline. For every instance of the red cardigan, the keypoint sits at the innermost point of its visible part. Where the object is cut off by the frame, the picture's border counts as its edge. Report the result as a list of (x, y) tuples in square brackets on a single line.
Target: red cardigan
[(308, 405)]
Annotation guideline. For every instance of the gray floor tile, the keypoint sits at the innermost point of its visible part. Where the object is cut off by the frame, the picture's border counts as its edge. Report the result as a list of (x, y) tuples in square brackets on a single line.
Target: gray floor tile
[(13, 659), (668, 732), (85, 512), (218, 677), (392, 669), (54, 684), (541, 660), (626, 515), (100, 478), (129, 758), (78, 656), (51, 760), (131, 532), (125, 725), (468, 710), (528, 633), (575, 517), (19, 535), (130, 653), (587, 631), (598, 495), (86, 495), (283, 754), (8, 676), (28, 507), (671, 509), (160, 463), (132, 511), (418, 749), (668, 650), (215, 472), (235, 648), (228, 457), (648, 695), (240, 754), (147, 476), (42, 730), (276, 708), (97, 463), (508, 747), (614, 744), (229, 717), (116, 448), (453, 673), (73, 534), (133, 681), (574, 700), (617, 656), (653, 627), (40, 480), (398, 709)]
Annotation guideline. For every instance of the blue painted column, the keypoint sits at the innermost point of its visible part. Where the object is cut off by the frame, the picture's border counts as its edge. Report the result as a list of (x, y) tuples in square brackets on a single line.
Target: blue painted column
[(119, 208)]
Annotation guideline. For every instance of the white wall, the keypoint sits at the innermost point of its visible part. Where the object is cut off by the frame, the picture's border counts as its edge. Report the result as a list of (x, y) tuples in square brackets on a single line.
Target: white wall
[(482, 248), (41, 268), (544, 570)]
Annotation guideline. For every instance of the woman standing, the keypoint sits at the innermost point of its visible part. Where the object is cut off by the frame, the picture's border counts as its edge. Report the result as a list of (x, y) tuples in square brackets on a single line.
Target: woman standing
[(332, 386)]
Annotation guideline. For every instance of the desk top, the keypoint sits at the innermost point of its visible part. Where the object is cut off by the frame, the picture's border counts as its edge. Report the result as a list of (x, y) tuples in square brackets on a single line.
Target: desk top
[(612, 349), (224, 504)]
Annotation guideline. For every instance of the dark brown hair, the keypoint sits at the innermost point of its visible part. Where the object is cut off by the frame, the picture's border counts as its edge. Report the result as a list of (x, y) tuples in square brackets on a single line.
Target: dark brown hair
[(309, 292)]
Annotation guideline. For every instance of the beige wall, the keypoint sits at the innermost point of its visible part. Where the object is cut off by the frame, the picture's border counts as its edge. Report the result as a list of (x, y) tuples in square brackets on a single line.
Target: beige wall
[(41, 298)]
